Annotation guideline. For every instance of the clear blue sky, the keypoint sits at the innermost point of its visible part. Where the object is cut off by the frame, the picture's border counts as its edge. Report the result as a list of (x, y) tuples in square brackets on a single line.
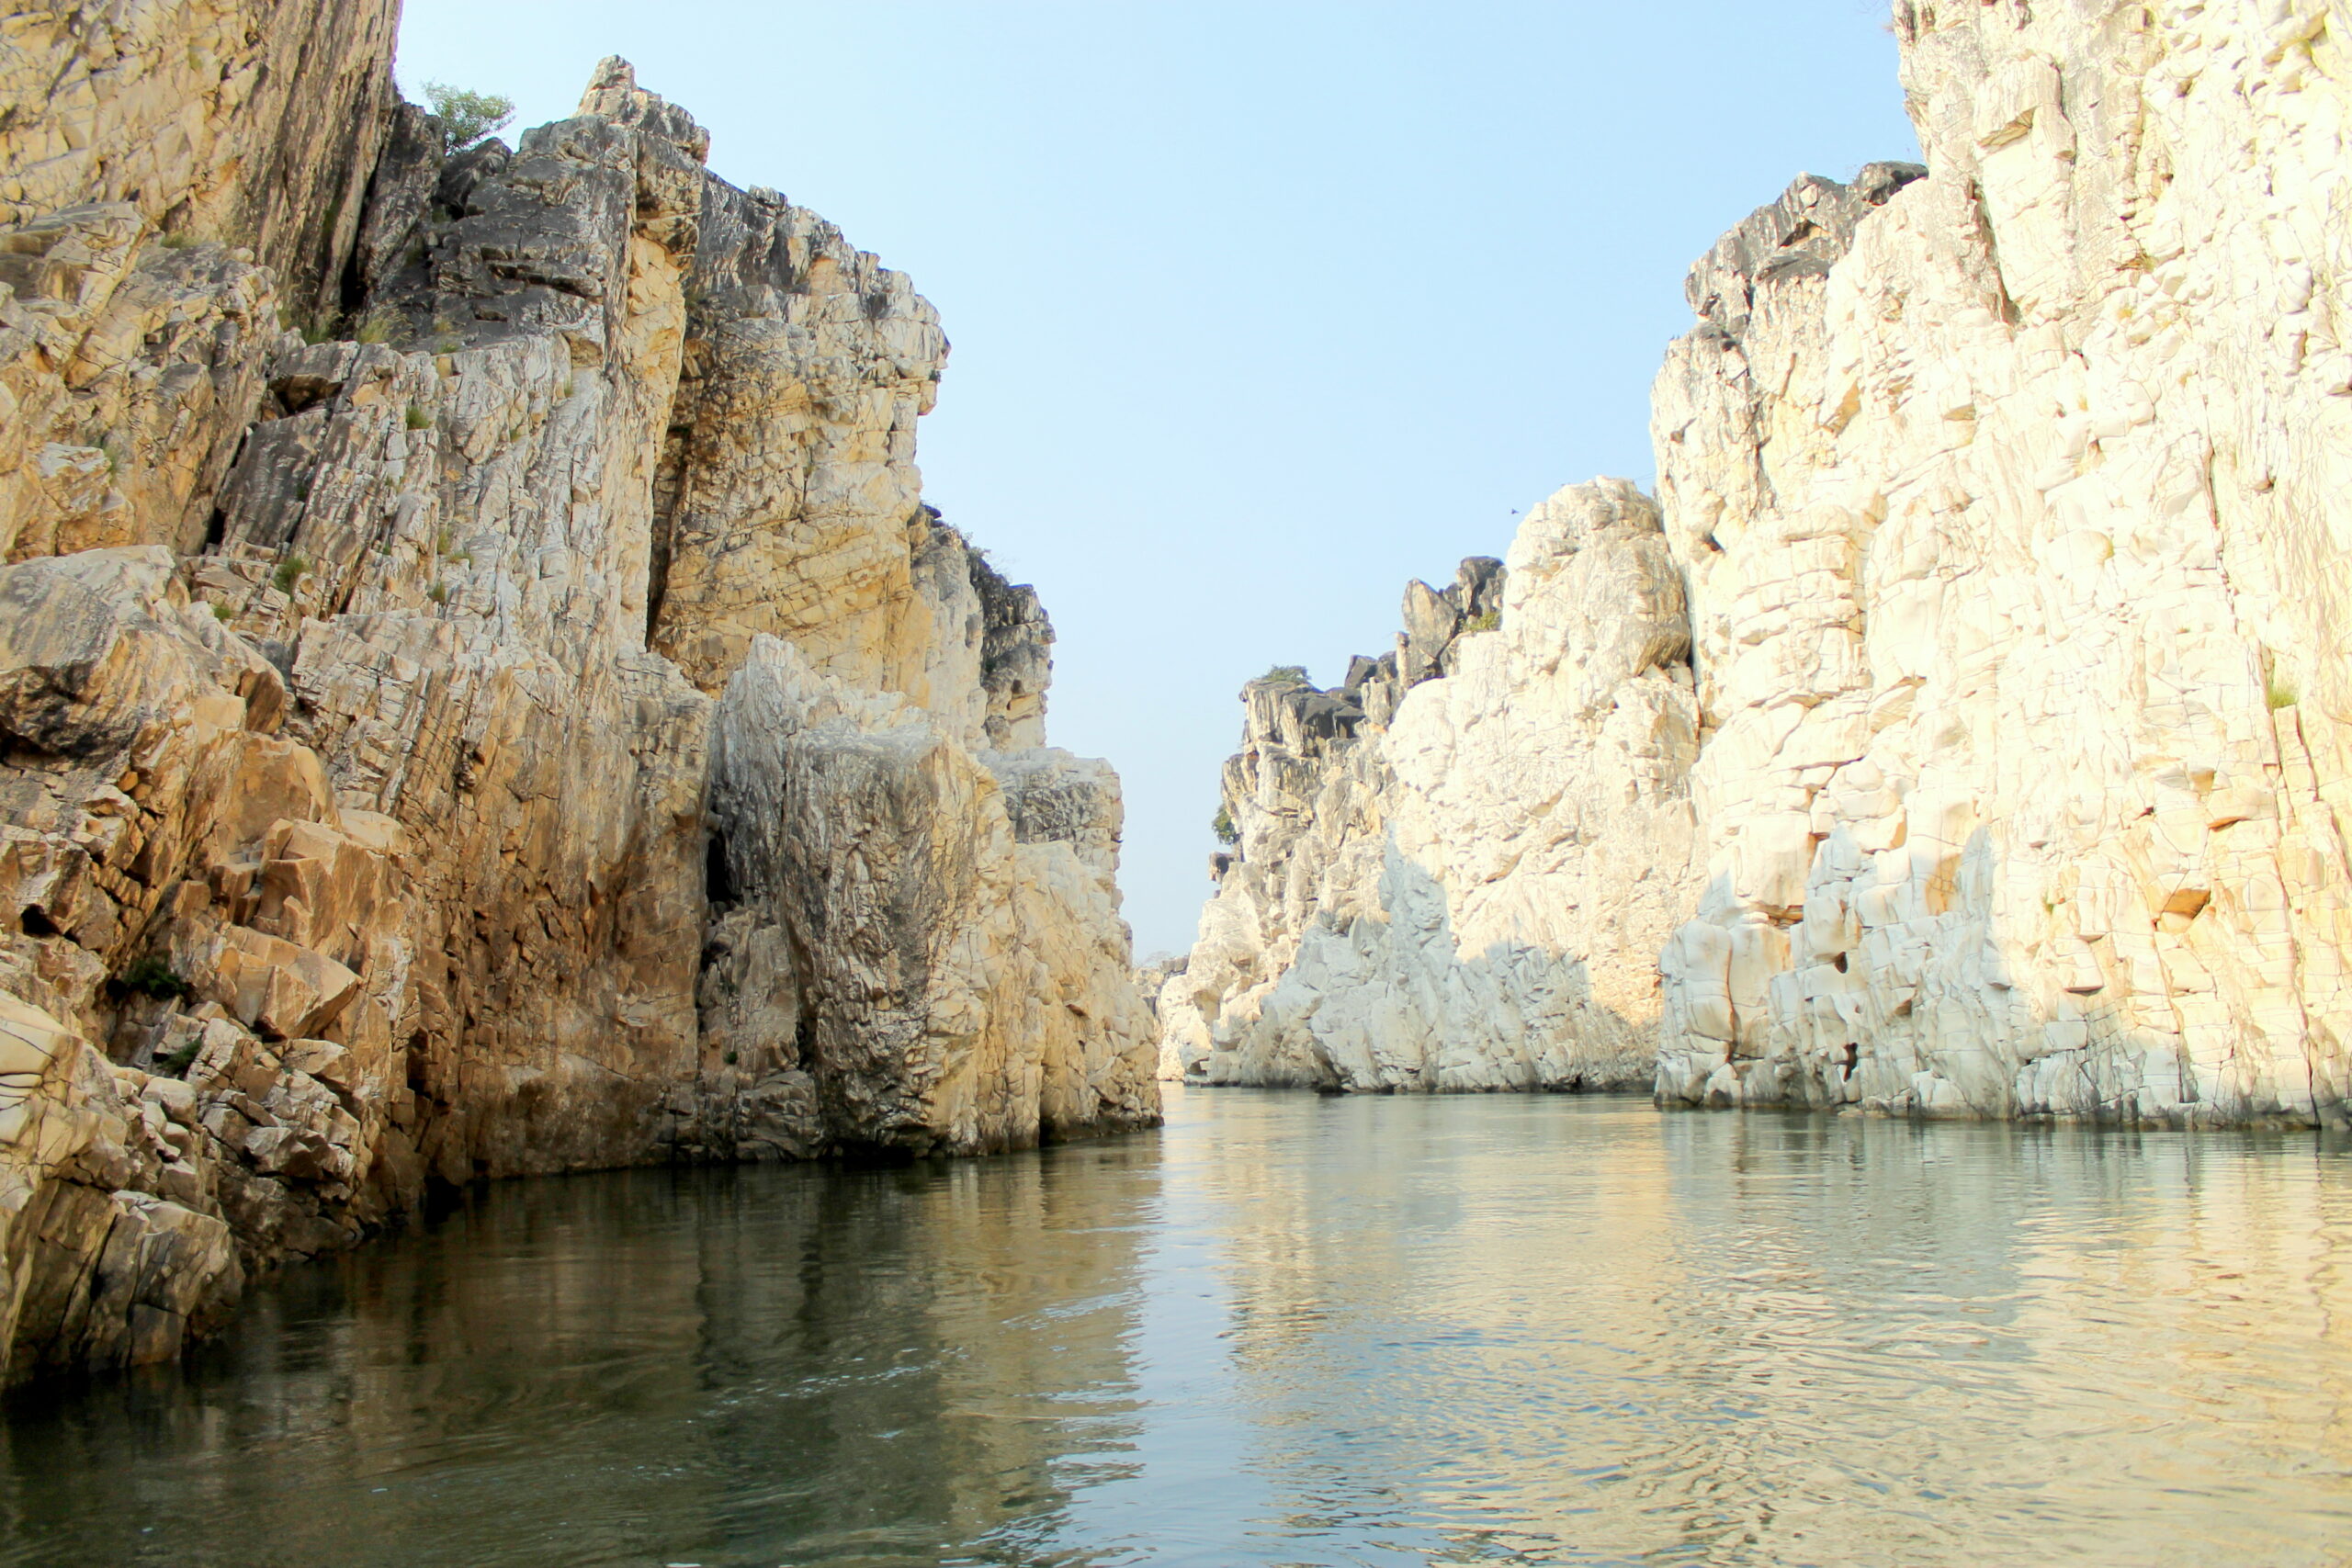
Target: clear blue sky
[(1259, 308)]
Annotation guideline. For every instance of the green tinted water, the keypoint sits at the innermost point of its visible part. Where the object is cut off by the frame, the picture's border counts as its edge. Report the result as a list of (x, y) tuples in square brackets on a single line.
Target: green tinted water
[(1286, 1330)]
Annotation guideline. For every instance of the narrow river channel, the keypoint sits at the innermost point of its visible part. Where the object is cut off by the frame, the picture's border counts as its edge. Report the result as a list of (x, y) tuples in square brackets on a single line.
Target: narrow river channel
[(1285, 1330)]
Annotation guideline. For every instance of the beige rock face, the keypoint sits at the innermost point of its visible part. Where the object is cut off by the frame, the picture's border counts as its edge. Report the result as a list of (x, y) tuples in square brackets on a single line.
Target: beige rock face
[(128, 369), (2013, 539), (2009, 504), (361, 832), (174, 179), (1460, 889), (99, 1270), (795, 505), (239, 122)]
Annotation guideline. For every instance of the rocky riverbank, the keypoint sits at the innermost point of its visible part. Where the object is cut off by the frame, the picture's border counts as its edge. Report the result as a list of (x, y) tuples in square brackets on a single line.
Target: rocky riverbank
[(481, 691)]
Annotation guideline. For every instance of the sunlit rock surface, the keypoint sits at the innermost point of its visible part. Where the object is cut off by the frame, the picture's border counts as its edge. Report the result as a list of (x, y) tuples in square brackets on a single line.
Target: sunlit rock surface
[(482, 691), (1455, 882), (2008, 500), (2015, 542)]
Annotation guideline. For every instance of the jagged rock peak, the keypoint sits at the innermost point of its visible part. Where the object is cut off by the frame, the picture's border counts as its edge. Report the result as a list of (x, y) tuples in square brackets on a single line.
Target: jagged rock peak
[(2001, 779), (613, 93), (1801, 235)]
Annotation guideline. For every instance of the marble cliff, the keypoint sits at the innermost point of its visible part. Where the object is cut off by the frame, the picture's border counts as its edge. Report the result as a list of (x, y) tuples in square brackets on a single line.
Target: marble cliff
[(481, 692), (1438, 865), (1962, 728)]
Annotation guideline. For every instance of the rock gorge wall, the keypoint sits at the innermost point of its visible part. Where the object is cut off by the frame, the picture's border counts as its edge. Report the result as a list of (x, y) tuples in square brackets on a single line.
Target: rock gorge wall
[(2029, 804), (1433, 862), (2005, 503), (480, 690)]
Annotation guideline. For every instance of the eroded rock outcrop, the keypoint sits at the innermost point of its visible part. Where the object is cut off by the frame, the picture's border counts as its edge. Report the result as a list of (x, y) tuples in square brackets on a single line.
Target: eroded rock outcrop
[(236, 121), (535, 724), (958, 977), (2008, 495), (1446, 882)]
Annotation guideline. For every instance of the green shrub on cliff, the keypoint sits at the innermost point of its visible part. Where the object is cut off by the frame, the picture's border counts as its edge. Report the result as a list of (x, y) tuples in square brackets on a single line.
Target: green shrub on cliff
[(153, 977), (466, 116)]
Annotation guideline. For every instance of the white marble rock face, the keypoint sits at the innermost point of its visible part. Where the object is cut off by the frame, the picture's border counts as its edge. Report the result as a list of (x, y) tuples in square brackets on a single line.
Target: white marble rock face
[(2014, 544), (1458, 885), (2007, 503)]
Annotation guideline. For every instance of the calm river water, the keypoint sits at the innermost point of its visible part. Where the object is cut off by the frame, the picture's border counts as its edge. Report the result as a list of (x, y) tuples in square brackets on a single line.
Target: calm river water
[(1288, 1330)]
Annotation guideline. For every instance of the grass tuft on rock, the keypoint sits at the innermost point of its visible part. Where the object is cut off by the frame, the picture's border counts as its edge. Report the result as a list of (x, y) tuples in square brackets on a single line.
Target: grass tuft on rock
[(380, 324)]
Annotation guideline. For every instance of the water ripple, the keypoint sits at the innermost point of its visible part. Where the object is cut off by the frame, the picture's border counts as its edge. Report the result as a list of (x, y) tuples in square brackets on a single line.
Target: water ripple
[(1287, 1331)]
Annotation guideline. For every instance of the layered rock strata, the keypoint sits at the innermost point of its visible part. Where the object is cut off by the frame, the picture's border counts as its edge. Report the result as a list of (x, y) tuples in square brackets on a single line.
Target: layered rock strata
[(2006, 498), (525, 719)]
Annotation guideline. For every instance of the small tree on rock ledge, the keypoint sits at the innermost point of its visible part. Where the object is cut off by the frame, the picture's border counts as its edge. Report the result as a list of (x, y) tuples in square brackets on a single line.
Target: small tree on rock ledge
[(466, 116)]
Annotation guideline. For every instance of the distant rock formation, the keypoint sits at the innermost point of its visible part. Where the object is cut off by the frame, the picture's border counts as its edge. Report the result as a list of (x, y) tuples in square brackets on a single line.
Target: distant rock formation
[(1452, 873), (2008, 504), (481, 692)]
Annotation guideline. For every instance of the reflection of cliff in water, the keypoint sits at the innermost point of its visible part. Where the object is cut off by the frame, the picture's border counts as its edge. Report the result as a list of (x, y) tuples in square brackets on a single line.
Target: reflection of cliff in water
[(1404, 1276), (763, 1364), (1492, 1328), (1288, 1329)]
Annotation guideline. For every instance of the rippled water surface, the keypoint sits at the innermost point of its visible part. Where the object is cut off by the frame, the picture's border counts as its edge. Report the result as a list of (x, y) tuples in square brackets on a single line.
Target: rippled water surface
[(1286, 1330)]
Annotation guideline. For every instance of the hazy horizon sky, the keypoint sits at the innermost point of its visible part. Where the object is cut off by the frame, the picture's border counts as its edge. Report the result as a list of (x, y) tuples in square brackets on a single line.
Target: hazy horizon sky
[(1259, 311)]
